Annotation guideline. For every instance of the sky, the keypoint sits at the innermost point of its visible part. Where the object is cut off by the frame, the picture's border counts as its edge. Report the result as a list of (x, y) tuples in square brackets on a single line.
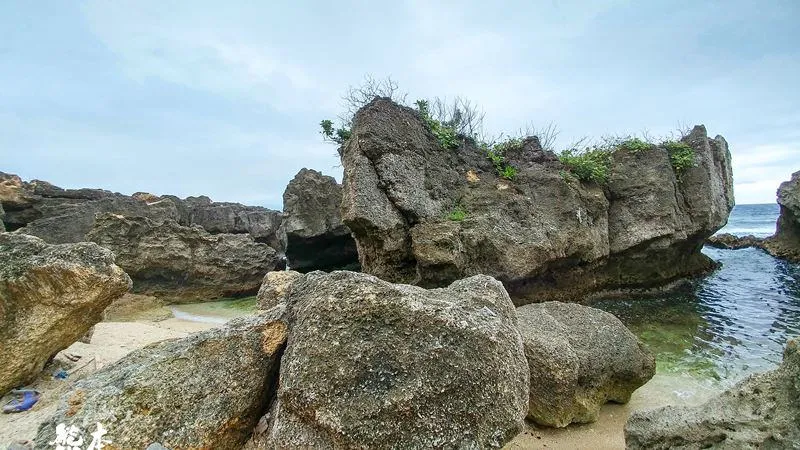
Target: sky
[(225, 98)]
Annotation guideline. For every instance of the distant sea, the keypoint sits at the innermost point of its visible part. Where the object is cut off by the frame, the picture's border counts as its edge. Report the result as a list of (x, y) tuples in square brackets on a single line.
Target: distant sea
[(758, 220)]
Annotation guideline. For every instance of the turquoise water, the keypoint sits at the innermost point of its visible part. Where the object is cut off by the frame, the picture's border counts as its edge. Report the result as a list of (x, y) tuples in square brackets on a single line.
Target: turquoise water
[(730, 324), (219, 311)]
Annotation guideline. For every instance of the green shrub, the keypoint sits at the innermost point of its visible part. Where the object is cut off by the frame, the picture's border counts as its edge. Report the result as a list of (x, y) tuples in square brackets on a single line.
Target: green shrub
[(634, 145), (681, 156), (592, 164), (338, 135), (501, 166), (457, 214), (446, 135)]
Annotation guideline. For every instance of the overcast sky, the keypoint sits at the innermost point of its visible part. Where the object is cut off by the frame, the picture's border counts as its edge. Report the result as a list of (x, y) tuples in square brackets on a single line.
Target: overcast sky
[(224, 98)]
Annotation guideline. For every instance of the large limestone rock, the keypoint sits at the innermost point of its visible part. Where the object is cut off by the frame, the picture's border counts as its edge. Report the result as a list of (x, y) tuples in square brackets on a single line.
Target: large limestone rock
[(263, 224), (203, 391), (50, 296), (762, 411), (545, 235), (178, 263), (66, 215), (276, 287), (786, 241), (317, 239), (370, 364), (579, 359)]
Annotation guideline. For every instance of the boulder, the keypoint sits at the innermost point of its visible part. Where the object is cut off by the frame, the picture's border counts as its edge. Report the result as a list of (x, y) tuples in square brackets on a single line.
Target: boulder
[(762, 411), (370, 364), (275, 288), (206, 390), (317, 239), (786, 241), (2, 216), (50, 296), (579, 359), (177, 263), (545, 235)]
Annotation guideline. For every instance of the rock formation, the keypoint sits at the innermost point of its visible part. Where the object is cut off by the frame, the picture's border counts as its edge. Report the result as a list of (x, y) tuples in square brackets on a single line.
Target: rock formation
[(786, 241), (762, 411), (178, 263), (203, 391), (317, 238), (370, 364), (66, 215), (50, 296), (579, 359), (2, 216), (545, 234)]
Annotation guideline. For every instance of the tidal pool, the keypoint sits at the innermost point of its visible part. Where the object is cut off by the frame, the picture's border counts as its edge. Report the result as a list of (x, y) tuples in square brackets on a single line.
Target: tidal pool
[(731, 324)]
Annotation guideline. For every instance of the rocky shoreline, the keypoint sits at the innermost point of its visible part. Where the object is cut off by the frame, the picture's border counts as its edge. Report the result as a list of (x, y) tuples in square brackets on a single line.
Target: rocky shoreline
[(425, 348)]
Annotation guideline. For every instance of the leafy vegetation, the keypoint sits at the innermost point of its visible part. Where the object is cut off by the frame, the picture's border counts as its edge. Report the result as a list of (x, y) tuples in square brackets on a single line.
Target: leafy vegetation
[(591, 164), (633, 144), (496, 156), (445, 132), (339, 135), (457, 214), (681, 156)]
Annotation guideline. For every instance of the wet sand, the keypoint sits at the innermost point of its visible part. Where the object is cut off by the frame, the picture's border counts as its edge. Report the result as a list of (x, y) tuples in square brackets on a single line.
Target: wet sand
[(607, 432)]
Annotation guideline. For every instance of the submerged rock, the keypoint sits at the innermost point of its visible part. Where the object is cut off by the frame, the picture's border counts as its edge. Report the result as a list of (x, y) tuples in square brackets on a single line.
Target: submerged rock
[(178, 263), (316, 237), (730, 242), (371, 364), (763, 411), (50, 296), (427, 215), (206, 390), (579, 359)]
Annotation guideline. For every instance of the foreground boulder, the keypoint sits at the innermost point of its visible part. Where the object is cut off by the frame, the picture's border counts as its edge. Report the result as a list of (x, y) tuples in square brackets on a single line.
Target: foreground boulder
[(370, 364), (579, 359), (203, 391), (316, 237), (178, 263), (50, 296), (2, 216), (762, 411), (427, 215)]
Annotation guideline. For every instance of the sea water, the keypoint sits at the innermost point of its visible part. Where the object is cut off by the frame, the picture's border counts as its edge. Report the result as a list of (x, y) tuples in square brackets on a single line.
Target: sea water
[(730, 324)]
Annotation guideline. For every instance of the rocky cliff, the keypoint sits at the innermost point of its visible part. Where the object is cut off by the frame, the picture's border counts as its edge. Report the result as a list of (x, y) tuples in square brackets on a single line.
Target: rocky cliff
[(317, 238), (427, 215), (180, 264), (66, 215), (786, 241)]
